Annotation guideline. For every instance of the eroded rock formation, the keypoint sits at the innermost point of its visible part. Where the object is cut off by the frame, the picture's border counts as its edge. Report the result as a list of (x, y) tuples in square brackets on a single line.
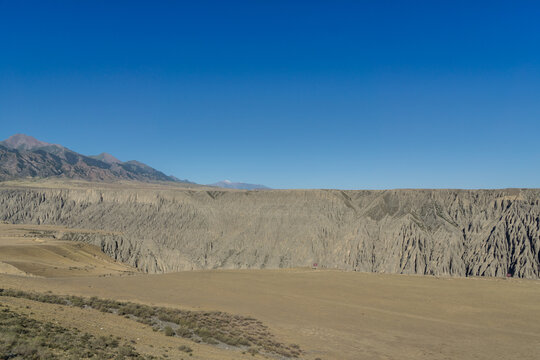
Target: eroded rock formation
[(161, 229)]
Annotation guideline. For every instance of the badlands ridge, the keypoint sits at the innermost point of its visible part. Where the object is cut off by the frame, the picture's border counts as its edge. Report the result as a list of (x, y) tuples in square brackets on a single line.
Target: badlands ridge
[(167, 227)]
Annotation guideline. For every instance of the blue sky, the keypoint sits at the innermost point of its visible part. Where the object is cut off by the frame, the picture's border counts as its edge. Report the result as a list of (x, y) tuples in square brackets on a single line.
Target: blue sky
[(290, 94)]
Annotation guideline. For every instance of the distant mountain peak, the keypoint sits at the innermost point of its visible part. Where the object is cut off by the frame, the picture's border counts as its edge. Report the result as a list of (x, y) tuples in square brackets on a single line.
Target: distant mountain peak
[(107, 158), (24, 142), (25, 156), (228, 184)]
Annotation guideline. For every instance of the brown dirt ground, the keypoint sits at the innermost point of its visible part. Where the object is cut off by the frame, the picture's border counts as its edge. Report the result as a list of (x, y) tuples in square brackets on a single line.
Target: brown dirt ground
[(330, 314), (33, 250), (345, 315)]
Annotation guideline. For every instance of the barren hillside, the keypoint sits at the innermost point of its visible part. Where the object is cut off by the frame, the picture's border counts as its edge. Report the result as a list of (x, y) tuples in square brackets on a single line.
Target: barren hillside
[(160, 228), (23, 156), (32, 251)]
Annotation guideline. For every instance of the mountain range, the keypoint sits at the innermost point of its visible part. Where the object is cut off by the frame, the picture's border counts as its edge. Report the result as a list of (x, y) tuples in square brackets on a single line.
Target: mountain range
[(24, 156), (227, 184)]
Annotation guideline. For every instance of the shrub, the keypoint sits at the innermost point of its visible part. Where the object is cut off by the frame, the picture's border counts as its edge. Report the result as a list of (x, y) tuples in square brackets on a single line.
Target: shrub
[(183, 332), (185, 348), (168, 331), (43, 340), (211, 327)]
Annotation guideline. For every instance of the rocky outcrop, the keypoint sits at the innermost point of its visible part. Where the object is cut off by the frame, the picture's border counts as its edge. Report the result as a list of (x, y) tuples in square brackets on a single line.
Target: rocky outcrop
[(437, 232)]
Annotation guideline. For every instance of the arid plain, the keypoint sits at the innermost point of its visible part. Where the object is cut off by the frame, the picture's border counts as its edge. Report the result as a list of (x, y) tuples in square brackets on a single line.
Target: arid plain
[(330, 314)]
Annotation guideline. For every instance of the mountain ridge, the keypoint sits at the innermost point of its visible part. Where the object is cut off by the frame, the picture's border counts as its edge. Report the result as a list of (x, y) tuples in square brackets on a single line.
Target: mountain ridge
[(105, 157), (227, 184), (24, 142), (25, 156)]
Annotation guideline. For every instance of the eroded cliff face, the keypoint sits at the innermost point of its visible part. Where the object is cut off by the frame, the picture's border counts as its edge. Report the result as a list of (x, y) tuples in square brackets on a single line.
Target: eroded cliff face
[(438, 232)]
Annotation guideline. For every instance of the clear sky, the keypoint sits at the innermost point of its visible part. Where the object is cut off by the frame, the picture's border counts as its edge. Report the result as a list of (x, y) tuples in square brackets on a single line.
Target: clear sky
[(290, 94)]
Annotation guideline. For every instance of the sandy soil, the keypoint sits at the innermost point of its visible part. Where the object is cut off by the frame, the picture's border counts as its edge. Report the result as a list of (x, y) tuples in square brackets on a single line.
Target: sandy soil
[(345, 315), (33, 250)]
